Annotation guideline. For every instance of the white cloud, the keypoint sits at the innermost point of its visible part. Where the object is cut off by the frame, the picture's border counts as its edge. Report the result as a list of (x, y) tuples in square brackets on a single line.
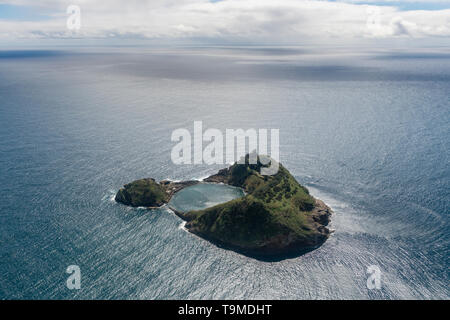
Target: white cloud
[(288, 21)]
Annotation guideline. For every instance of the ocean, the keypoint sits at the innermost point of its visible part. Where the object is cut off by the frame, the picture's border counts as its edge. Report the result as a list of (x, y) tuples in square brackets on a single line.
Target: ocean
[(368, 132)]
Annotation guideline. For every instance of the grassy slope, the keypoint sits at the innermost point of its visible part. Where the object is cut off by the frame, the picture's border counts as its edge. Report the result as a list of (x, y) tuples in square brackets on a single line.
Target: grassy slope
[(274, 205)]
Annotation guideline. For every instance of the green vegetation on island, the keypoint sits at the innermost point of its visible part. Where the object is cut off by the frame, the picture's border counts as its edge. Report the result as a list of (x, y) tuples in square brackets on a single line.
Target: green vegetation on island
[(149, 193), (142, 193), (276, 217)]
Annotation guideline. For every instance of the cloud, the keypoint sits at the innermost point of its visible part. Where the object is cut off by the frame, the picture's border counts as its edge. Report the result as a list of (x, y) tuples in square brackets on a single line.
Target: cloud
[(288, 21)]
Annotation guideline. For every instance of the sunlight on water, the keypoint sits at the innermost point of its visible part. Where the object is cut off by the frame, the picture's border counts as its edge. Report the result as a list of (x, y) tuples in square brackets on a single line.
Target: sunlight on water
[(369, 135)]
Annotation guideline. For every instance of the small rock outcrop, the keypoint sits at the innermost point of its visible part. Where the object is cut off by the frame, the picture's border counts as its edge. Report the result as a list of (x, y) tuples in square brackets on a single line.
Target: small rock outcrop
[(142, 193), (149, 193)]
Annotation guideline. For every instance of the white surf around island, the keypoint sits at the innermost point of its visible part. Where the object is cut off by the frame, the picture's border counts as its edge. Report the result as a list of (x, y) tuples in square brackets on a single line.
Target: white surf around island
[(182, 226)]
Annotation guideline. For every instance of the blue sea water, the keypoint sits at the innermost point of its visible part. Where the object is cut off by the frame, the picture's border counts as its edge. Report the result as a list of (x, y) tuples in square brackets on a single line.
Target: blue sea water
[(367, 132)]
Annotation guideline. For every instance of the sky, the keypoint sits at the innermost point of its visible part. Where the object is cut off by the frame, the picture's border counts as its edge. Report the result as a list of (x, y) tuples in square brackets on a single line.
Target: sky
[(292, 22)]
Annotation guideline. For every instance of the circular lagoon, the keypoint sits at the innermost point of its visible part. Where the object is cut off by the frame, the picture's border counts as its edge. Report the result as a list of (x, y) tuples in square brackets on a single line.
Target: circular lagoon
[(204, 195)]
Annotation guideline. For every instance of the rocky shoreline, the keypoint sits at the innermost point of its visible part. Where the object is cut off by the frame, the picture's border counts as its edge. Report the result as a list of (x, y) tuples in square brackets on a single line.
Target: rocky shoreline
[(172, 187)]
